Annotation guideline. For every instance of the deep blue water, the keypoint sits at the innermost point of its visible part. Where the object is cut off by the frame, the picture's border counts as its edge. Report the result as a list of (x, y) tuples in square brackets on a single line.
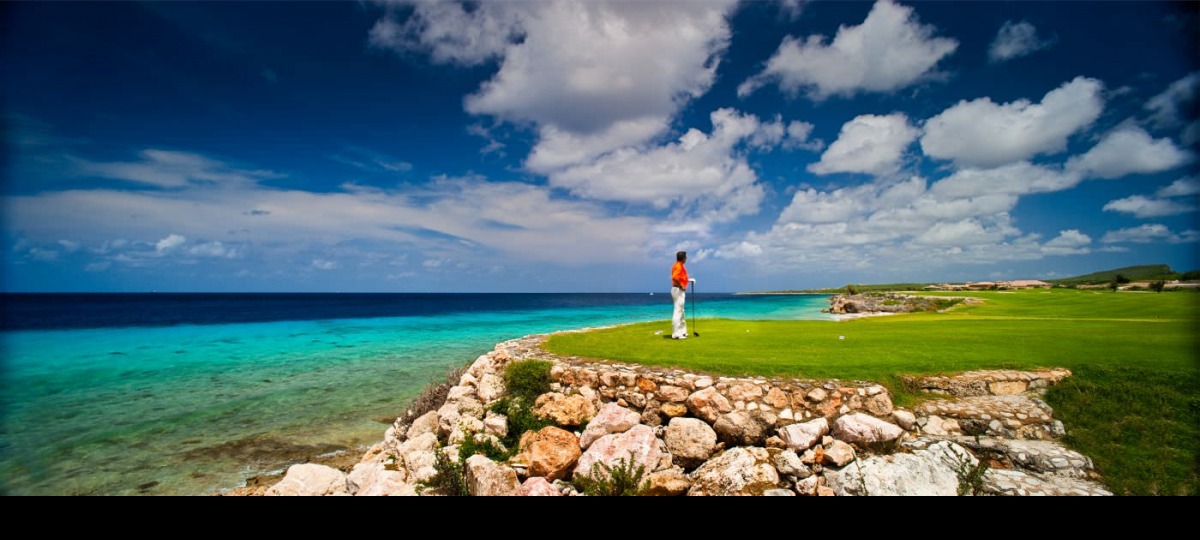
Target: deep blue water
[(193, 393)]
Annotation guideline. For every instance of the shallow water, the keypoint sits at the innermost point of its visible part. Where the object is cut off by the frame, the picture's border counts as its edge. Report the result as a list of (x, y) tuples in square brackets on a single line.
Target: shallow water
[(198, 408)]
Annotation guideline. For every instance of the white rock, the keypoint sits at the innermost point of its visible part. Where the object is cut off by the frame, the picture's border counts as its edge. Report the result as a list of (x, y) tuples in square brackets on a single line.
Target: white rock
[(638, 445), (374, 480), (426, 423), (612, 418), (801, 437), (929, 472), (310, 480), (789, 465), (495, 424), (486, 478), (863, 429), (690, 440), (905, 419), (491, 388), (537, 486), (708, 404), (740, 471)]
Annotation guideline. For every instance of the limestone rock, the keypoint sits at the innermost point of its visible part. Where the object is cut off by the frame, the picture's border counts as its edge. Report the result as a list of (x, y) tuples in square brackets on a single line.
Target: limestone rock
[(426, 423), (779, 493), (905, 419), (691, 441), (744, 391), (486, 478), (310, 480), (572, 410), (490, 388), (838, 453), (801, 437), (612, 418), (808, 486), (448, 416), (863, 429), (708, 404), (788, 464), (668, 483), (817, 395), (740, 471), (743, 428), (467, 425), (536, 486), (495, 424), (879, 404), (419, 457), (941, 427), (777, 398), (551, 452), (674, 410), (638, 445), (374, 480), (672, 394), (928, 472)]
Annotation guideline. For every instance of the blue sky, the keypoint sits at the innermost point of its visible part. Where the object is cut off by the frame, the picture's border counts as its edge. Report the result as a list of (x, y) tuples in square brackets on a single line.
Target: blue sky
[(576, 145)]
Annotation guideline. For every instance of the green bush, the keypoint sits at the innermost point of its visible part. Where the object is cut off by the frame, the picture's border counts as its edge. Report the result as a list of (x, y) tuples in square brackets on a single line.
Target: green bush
[(527, 380), (623, 480), (852, 290), (1157, 286), (450, 480), (472, 445)]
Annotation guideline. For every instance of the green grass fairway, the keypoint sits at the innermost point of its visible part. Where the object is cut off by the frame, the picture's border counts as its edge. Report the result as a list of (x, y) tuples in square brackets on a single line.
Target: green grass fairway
[(1133, 404)]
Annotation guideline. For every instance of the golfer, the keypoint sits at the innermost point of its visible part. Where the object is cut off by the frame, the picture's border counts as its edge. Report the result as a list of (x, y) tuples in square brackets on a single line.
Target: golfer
[(679, 283)]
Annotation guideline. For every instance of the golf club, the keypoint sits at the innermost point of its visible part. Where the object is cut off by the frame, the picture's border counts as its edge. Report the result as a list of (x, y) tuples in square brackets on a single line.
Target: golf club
[(694, 332)]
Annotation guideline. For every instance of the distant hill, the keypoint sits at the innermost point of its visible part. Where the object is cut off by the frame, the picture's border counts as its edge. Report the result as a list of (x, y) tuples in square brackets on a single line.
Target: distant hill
[(1144, 272)]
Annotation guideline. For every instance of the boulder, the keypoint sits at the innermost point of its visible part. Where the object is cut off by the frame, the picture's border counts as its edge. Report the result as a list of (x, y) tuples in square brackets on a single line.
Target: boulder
[(490, 388), (817, 395), (572, 410), (668, 483), (928, 472), (612, 418), (638, 445), (941, 427), (310, 480), (458, 393), (777, 398), (674, 410), (374, 480), (779, 493), (426, 423), (672, 394), (737, 472), (691, 441), (743, 428), (859, 428), (838, 453), (448, 416), (801, 437), (744, 391), (708, 404), (808, 486), (536, 486), (419, 457), (905, 419), (551, 452), (879, 404), (486, 478)]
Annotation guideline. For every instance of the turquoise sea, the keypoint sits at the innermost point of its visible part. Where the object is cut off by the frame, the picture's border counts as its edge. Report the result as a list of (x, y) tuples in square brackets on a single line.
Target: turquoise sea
[(190, 396)]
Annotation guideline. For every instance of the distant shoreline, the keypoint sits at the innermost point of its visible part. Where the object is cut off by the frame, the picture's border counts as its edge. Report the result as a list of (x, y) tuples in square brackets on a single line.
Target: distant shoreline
[(766, 293)]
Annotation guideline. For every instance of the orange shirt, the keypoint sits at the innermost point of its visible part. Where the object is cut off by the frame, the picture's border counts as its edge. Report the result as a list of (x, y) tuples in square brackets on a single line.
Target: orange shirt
[(679, 276)]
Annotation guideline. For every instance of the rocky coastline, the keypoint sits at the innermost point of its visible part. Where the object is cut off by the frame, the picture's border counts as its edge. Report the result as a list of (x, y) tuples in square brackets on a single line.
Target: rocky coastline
[(892, 303), (702, 435)]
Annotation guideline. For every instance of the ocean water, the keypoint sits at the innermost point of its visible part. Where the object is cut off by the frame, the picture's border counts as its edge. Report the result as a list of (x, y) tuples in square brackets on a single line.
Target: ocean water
[(192, 394)]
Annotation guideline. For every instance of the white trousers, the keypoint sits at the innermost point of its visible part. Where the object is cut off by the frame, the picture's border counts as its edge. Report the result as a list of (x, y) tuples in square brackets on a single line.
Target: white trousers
[(678, 321)]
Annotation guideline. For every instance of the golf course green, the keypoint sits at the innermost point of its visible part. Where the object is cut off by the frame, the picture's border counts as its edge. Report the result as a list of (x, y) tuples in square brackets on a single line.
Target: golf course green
[(1133, 403)]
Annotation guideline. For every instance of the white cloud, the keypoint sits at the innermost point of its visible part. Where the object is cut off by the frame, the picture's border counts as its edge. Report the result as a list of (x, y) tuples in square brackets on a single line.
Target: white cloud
[(170, 242), (1068, 242), (1149, 233), (1129, 150), (322, 264), (172, 169), (868, 144), (449, 33), (1181, 188), (1021, 178), (981, 133), (1170, 108), (700, 174), (1014, 40), (890, 50), (798, 134), (470, 216), (1145, 207), (791, 8)]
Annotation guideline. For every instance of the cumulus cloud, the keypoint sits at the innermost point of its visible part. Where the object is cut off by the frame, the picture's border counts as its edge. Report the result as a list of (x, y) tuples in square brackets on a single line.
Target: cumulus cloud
[(1149, 233), (1068, 242), (1020, 178), (1129, 150), (1014, 40), (550, 71), (322, 264), (1145, 207), (980, 133), (170, 242), (868, 144), (703, 174), (213, 249), (890, 50)]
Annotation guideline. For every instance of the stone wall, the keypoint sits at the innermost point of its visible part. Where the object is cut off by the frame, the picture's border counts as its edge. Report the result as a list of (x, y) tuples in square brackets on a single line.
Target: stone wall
[(699, 434)]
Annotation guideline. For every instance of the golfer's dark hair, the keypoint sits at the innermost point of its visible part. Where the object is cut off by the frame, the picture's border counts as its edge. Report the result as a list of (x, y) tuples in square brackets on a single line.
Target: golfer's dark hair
[(680, 255)]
